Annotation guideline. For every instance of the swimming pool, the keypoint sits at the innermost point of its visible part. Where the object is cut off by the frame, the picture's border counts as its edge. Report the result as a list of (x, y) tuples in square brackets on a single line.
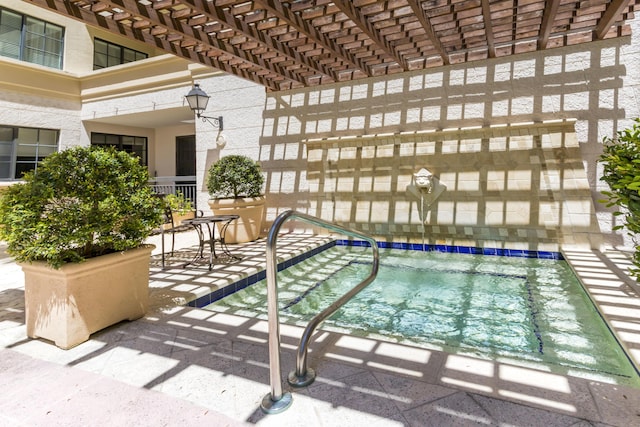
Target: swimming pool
[(524, 310)]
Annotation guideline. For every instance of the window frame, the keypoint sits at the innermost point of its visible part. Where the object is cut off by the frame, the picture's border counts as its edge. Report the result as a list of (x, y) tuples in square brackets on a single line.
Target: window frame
[(15, 163), (35, 47), (119, 142), (122, 50)]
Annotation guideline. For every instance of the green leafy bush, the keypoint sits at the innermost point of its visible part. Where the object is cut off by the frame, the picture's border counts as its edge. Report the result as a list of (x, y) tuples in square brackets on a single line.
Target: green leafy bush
[(179, 203), (235, 176), (80, 203), (621, 161)]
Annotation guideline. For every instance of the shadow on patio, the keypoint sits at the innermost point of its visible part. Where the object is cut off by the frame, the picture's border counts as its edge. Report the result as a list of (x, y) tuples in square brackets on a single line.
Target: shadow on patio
[(219, 362)]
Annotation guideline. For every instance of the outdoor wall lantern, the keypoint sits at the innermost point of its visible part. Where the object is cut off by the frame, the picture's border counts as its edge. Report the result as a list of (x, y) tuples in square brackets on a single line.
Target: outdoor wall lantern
[(198, 100)]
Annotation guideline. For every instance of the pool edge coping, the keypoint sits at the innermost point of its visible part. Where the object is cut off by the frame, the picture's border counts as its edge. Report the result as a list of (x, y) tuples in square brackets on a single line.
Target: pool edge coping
[(629, 348)]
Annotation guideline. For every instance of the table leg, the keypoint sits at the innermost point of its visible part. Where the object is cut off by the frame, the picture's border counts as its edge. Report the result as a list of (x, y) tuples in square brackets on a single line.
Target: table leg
[(201, 241), (210, 237), (212, 243), (223, 244)]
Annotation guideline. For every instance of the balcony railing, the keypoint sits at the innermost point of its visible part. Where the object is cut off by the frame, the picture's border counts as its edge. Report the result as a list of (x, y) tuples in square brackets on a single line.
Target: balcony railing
[(174, 184)]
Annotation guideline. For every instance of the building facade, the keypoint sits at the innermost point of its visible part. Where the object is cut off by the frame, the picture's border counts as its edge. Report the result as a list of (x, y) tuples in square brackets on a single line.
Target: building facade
[(513, 142)]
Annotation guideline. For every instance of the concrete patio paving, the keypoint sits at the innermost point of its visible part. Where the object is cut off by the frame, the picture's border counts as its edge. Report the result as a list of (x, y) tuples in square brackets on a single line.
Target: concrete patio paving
[(187, 366)]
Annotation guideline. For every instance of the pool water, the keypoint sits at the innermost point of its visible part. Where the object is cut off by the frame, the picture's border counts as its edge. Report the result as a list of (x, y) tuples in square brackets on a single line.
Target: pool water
[(523, 310)]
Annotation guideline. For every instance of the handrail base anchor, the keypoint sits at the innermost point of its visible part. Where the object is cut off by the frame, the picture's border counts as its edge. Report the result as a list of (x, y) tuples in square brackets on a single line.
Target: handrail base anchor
[(270, 406), (303, 380)]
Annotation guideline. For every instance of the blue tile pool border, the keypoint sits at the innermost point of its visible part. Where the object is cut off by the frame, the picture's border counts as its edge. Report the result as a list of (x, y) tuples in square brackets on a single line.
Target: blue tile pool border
[(250, 280), (254, 278), (519, 253)]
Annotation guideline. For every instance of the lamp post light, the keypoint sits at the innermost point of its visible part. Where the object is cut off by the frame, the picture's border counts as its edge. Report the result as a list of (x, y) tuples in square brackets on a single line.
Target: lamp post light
[(198, 100)]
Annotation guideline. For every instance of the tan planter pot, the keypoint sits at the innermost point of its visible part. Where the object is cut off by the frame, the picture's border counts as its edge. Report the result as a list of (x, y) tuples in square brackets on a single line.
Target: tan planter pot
[(178, 218), (246, 228), (67, 305)]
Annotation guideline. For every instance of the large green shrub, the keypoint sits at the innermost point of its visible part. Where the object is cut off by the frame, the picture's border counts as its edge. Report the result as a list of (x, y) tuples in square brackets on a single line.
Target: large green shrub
[(621, 161), (235, 176), (80, 203)]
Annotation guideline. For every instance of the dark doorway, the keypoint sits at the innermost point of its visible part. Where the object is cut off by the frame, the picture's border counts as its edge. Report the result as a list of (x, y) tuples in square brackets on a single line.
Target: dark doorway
[(186, 155), (186, 167)]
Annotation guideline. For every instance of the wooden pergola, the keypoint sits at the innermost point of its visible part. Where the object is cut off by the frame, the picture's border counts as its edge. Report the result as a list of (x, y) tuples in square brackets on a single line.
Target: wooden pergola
[(301, 43)]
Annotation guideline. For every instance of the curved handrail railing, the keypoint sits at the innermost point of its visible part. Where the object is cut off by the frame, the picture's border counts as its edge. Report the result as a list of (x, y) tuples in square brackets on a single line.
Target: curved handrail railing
[(277, 401)]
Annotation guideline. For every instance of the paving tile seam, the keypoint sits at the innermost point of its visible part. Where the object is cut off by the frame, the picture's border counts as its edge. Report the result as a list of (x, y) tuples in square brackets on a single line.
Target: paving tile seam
[(492, 395), (592, 388)]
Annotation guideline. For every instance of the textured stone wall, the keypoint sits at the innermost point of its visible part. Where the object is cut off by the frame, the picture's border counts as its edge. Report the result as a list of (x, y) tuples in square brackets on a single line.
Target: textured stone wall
[(519, 187), (515, 140)]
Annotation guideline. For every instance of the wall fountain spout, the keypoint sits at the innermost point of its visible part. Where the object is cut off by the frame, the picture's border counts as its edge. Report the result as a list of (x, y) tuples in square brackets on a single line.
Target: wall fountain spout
[(427, 188), (423, 180)]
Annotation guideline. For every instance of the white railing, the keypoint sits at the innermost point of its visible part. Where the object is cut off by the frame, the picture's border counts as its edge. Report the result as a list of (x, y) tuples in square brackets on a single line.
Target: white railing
[(174, 184)]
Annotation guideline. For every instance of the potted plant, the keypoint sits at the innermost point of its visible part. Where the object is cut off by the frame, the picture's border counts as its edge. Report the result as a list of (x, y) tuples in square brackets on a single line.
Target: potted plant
[(621, 171), (181, 207), (76, 226), (235, 186)]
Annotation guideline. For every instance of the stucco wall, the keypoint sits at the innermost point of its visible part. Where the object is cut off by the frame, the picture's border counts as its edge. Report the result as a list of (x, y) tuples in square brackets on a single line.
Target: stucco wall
[(162, 152), (28, 110), (242, 106)]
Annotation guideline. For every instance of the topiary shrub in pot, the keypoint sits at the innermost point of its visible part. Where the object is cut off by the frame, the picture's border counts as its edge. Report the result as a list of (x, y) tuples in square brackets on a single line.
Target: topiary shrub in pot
[(77, 226), (235, 185)]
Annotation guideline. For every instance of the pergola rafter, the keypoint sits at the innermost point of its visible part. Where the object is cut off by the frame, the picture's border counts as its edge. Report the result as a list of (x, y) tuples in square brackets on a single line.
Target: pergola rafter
[(299, 24), (614, 9), (190, 36), (550, 10), (300, 43), (416, 7), (227, 20)]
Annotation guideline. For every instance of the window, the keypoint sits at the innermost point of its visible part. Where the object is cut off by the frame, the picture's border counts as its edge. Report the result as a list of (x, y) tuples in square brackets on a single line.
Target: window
[(106, 54), (22, 148), (29, 39), (136, 145)]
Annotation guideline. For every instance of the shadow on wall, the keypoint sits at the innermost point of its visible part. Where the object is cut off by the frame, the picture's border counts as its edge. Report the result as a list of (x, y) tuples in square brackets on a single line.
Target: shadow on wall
[(499, 134)]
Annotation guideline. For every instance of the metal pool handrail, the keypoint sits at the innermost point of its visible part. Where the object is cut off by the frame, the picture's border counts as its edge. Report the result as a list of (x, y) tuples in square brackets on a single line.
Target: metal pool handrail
[(277, 401)]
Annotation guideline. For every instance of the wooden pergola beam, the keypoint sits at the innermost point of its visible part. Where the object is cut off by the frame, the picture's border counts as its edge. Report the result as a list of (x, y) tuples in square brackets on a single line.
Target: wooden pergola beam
[(297, 43), (349, 9), (195, 36), (610, 16), (486, 14), (227, 20), (428, 29), (275, 8), (550, 11)]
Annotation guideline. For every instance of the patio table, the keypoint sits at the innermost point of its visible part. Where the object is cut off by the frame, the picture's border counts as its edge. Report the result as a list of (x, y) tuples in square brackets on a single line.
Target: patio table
[(205, 226)]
